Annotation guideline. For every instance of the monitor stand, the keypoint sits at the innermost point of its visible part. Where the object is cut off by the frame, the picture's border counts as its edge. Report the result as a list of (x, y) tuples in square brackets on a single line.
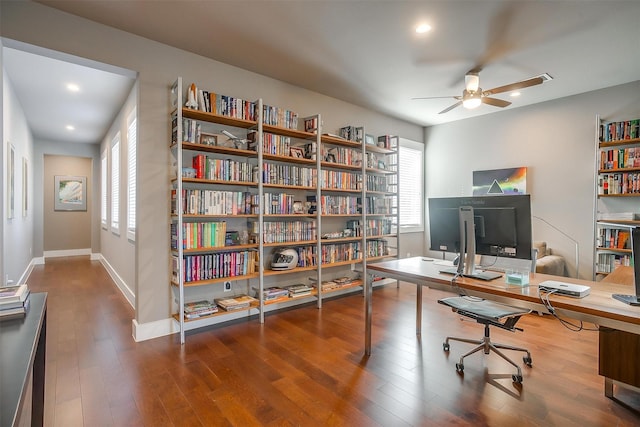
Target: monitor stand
[(476, 274), (627, 299)]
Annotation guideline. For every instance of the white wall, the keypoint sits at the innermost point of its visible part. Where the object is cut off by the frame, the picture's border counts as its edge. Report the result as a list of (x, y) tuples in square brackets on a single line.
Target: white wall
[(116, 249), (158, 66), (555, 140), (18, 231)]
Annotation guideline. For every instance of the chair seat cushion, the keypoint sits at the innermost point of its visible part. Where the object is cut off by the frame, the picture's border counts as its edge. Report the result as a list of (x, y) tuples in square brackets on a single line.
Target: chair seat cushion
[(482, 307)]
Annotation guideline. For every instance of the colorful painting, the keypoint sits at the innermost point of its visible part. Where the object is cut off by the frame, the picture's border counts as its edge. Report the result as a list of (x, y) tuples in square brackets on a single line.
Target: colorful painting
[(500, 181)]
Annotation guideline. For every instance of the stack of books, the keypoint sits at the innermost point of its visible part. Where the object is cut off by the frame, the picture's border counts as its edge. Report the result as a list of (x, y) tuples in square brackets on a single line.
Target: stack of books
[(196, 309), (236, 303), (337, 283), (299, 290), (272, 293), (14, 301)]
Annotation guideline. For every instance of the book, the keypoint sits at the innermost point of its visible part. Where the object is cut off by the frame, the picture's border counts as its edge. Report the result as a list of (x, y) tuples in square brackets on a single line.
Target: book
[(13, 293), (236, 303), (200, 308), (15, 312)]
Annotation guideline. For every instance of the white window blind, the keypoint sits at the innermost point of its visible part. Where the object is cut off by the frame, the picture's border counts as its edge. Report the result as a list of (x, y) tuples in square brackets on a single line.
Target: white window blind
[(103, 188), (131, 175), (411, 174), (115, 184)]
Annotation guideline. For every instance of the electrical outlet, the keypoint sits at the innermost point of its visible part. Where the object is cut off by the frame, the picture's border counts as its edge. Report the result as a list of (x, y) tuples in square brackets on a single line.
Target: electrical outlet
[(227, 286)]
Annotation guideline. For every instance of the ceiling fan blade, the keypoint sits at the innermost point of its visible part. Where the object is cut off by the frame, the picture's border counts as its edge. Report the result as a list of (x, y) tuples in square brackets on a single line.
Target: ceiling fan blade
[(437, 97), (514, 86), (495, 102), (457, 104)]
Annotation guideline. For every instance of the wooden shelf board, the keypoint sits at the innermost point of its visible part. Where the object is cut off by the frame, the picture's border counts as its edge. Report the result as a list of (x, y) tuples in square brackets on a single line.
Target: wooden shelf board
[(218, 149), (354, 284), (381, 150), (295, 270), (289, 159), (339, 215), (197, 216), (619, 142), (331, 165), (216, 280), (217, 118), (619, 170), (629, 222), (620, 195), (381, 171), (313, 293), (293, 133), (218, 182), (296, 243), (291, 187), (382, 236), (270, 216), (624, 251), (328, 139), (342, 190), (342, 263), (218, 249), (341, 239)]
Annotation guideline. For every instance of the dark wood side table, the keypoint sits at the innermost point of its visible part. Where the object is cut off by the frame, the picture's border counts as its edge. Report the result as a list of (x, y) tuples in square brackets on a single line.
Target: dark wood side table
[(22, 363)]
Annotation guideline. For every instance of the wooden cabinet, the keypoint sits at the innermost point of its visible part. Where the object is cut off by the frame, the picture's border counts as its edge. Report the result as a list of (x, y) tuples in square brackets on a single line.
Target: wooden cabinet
[(617, 193), (246, 191)]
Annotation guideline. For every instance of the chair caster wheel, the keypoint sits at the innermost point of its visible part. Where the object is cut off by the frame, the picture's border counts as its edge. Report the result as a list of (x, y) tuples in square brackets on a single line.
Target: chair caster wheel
[(517, 379), (445, 347), (459, 368), (527, 361)]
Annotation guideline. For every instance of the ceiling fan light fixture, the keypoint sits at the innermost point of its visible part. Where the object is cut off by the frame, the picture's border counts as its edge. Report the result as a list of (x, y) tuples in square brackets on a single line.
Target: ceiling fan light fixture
[(471, 100)]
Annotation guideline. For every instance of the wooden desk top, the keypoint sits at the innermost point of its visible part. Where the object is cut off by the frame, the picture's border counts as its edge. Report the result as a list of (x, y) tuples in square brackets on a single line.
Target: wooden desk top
[(598, 304)]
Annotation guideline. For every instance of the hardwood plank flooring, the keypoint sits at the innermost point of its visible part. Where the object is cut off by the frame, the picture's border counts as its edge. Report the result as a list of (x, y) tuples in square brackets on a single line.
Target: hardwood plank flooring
[(305, 367)]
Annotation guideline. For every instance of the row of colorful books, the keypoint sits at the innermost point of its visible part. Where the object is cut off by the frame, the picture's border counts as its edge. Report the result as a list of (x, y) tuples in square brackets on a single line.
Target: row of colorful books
[(613, 238), (607, 262), (292, 291), (342, 155), (616, 131), (223, 169), (620, 158), (196, 235), (619, 183), (377, 183), (337, 205), (14, 301), (277, 145), (285, 231), (341, 180), (378, 205), (213, 202), (224, 105), (285, 174), (377, 247), (213, 266), (339, 252), (374, 227)]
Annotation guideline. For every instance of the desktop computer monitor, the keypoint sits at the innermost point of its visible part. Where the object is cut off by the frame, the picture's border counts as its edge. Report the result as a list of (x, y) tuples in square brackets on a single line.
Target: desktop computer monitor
[(502, 225), (635, 260), (486, 225)]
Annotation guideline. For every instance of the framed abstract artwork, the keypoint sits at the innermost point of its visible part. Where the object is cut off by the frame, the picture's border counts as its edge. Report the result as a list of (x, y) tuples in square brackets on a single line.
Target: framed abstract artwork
[(70, 193)]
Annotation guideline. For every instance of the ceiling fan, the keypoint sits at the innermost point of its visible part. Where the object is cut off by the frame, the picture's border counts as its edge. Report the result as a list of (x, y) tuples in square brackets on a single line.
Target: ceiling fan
[(473, 95)]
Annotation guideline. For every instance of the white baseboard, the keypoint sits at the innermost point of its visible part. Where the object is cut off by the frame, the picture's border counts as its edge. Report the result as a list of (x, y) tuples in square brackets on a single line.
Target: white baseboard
[(126, 291), (66, 252), (150, 330), (38, 260)]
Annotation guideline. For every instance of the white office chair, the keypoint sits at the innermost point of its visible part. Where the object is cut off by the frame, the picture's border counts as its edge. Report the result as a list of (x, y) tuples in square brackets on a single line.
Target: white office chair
[(488, 313)]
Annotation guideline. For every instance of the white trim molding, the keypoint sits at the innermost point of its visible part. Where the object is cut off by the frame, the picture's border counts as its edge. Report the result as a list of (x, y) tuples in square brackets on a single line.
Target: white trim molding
[(126, 291), (66, 252)]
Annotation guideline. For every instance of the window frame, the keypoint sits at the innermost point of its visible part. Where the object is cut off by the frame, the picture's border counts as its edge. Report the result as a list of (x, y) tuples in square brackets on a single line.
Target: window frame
[(115, 184), (132, 145), (420, 196), (104, 196)]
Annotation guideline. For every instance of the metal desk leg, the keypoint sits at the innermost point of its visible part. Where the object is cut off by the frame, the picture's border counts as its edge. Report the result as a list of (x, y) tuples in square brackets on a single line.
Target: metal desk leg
[(368, 287), (418, 309)]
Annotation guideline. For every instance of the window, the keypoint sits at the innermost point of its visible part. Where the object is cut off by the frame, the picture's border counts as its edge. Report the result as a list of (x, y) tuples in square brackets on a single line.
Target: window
[(411, 186), (103, 187), (131, 175), (115, 184)]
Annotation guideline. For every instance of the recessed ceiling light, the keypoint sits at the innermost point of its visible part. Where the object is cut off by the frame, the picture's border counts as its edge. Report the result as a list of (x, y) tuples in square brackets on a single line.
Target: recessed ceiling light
[(423, 28), (72, 87), (515, 94), (69, 127)]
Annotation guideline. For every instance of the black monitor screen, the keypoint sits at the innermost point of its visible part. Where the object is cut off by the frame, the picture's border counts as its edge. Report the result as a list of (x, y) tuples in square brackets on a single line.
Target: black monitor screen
[(502, 224)]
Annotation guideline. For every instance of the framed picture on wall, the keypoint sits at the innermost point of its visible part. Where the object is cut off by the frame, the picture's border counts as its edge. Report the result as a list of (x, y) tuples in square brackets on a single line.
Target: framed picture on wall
[(25, 187), (11, 179), (70, 193)]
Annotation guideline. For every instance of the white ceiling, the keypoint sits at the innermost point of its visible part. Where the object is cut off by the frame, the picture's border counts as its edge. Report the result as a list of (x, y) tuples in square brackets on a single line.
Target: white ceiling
[(40, 84), (366, 52)]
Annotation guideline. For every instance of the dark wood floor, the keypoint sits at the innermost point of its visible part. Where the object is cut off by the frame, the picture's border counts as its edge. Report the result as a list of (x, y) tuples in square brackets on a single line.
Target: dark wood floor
[(306, 367)]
